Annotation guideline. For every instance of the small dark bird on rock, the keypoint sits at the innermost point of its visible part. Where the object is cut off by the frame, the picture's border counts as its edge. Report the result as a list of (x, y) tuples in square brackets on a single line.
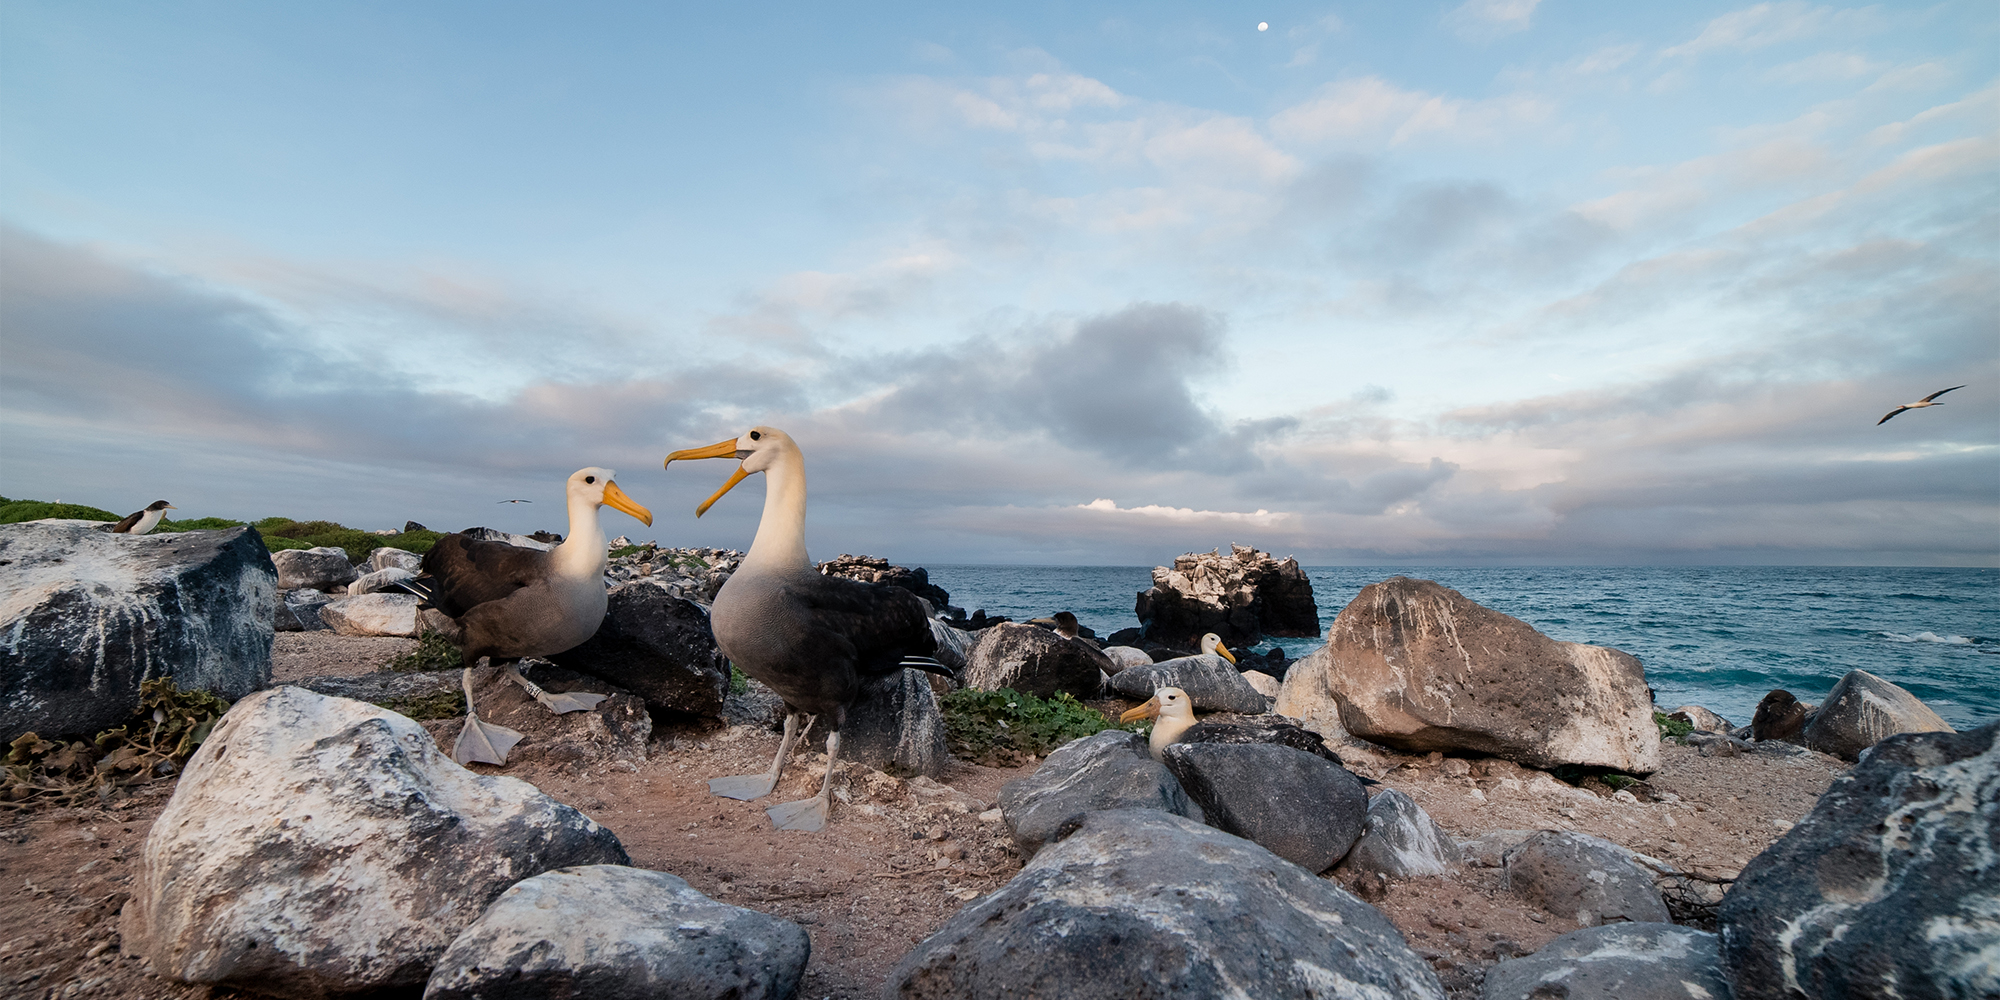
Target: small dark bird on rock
[(141, 521)]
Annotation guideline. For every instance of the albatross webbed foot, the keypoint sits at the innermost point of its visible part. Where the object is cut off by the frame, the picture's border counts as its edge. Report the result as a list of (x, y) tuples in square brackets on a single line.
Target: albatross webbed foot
[(805, 815), (572, 701), (483, 742), (743, 786)]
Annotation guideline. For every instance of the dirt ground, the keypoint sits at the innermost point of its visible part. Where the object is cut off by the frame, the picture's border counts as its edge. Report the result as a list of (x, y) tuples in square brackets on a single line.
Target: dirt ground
[(899, 857)]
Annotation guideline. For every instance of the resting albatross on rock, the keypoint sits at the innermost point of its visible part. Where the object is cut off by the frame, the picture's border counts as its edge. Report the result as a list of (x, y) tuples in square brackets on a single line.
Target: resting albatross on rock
[(812, 638), (515, 602), (1175, 714)]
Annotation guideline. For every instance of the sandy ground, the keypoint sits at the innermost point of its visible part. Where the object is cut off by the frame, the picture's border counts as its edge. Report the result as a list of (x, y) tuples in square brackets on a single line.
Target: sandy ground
[(899, 856)]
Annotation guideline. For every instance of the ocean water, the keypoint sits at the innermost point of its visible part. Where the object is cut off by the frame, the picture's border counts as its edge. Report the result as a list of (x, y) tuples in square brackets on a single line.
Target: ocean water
[(1719, 637)]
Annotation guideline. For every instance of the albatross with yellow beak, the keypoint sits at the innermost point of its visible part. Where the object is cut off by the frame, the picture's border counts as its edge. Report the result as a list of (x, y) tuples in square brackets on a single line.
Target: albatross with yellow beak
[(812, 638), (514, 602), (1174, 713)]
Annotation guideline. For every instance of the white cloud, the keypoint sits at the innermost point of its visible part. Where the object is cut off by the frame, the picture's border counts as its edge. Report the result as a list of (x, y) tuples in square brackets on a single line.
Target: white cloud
[(1768, 24), (1486, 19), (1824, 67), (1185, 514), (1371, 111)]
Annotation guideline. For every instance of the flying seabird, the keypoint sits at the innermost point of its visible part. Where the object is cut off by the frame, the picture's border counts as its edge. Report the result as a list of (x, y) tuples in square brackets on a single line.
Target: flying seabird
[(513, 501), (141, 521), (514, 602), (812, 638), (1919, 404), (1175, 712)]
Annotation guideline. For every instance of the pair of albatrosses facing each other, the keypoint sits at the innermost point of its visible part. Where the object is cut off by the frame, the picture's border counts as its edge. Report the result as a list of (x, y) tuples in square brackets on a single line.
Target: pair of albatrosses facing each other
[(814, 639), (514, 602)]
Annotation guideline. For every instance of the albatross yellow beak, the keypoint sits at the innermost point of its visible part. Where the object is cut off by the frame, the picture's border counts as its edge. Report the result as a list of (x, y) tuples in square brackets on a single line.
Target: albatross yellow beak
[(720, 449), (615, 497), (1223, 651), (1150, 710)]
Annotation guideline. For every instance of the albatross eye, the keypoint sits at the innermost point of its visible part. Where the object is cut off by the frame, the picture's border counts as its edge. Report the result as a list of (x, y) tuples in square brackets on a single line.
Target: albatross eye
[(756, 435), (590, 479)]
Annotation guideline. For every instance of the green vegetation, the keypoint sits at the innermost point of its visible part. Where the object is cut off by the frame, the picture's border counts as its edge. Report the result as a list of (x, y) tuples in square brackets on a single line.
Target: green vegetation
[(169, 525), (1672, 728), (737, 682), (1618, 781), (278, 532), (449, 704), (16, 511), (1001, 728), (165, 730), (433, 652)]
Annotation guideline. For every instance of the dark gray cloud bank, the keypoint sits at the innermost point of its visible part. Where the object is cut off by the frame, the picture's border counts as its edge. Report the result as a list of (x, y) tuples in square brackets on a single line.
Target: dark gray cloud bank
[(119, 385)]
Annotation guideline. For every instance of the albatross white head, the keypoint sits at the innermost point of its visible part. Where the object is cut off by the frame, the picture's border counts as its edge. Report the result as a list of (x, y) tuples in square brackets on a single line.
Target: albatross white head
[(588, 489), (781, 535), (1212, 644), (1175, 712)]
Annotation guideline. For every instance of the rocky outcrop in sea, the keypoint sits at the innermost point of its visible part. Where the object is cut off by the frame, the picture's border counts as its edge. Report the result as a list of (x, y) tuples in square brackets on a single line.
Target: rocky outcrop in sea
[(1242, 597)]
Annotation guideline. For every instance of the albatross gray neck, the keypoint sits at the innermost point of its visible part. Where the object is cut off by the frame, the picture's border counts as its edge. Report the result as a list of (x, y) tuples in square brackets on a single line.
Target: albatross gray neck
[(581, 555), (780, 545)]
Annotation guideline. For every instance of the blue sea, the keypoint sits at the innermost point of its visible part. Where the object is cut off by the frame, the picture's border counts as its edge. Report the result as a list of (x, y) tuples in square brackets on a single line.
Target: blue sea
[(1719, 637)]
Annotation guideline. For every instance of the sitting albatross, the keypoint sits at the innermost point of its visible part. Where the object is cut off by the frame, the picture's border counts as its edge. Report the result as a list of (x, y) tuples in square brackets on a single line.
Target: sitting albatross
[(141, 521), (514, 602), (812, 638), (1175, 712)]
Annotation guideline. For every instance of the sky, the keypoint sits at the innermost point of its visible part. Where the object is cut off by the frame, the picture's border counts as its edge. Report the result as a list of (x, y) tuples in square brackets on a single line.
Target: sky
[(1508, 282)]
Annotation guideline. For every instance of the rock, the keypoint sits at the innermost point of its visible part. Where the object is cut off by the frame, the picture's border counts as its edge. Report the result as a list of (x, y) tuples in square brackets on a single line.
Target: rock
[(1889, 887), (1636, 961), (614, 933), (1211, 683), (86, 615), (1111, 770), (1299, 806), (304, 605), (1241, 597), (1034, 661), (323, 568), (1305, 695), (409, 526), (385, 687), (1576, 874), (524, 541), (875, 569), (954, 646), (1702, 719), (1861, 711), (1125, 658), (372, 614), (381, 581), (896, 726), (1141, 903), (1417, 666), (1780, 716), (1263, 683), (387, 557), (1399, 839), (322, 847), (657, 646), (1489, 849)]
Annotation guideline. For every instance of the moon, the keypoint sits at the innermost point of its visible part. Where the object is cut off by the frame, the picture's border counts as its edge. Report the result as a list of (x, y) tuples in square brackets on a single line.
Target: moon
[(1263, 25)]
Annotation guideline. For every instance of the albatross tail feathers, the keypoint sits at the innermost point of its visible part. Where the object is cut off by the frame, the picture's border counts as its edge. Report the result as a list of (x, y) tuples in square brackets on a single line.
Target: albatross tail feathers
[(420, 586), (929, 665)]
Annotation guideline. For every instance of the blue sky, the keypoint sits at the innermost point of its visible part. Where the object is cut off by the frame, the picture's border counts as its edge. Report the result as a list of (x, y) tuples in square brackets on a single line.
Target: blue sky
[(1501, 282)]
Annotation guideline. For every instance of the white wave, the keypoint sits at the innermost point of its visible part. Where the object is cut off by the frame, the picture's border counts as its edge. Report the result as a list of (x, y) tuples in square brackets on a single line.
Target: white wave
[(1949, 640)]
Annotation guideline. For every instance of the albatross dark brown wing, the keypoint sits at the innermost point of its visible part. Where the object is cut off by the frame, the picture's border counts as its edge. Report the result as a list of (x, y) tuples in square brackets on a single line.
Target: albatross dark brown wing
[(126, 524), (460, 573), (882, 624)]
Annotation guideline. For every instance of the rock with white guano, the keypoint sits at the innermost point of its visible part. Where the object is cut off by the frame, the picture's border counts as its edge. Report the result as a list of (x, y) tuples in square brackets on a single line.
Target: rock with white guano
[(320, 847), (954, 646), (1110, 770), (897, 726), (372, 614), (1305, 695), (389, 557), (1034, 661), (85, 616), (1143, 903), (1589, 879), (1401, 840), (1242, 597), (1126, 657), (1420, 667), (381, 581), (1861, 711), (614, 933), (1211, 682), (1631, 961), (1263, 683), (1889, 887), (321, 568), (1702, 719)]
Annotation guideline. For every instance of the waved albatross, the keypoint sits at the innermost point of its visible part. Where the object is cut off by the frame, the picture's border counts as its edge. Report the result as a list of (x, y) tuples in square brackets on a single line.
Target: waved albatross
[(1175, 714), (141, 521), (812, 638), (1929, 400), (515, 602)]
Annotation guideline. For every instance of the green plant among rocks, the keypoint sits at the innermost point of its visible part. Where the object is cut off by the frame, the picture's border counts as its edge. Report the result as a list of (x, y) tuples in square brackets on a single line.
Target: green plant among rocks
[(16, 511), (1001, 728), (433, 652), (285, 533), (437, 705), (1672, 728), (166, 729)]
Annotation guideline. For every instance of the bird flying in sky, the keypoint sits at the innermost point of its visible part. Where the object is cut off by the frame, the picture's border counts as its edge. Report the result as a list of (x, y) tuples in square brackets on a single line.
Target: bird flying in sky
[(1918, 405)]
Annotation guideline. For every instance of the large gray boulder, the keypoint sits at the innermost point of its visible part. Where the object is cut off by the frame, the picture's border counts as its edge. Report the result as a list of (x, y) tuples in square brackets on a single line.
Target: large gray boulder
[(1305, 695), (381, 581), (1419, 667), (1299, 806), (388, 557), (608, 932), (1242, 597), (657, 646), (1034, 661), (1615, 962), (1889, 887), (1141, 903), (1111, 770), (86, 615), (896, 726), (392, 614), (1211, 682), (954, 646), (1584, 877), (320, 847), (303, 606), (322, 568), (1864, 709), (1399, 839)]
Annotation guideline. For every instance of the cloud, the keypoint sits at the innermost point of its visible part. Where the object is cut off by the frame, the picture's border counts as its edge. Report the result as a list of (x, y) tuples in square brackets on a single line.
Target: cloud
[(1185, 514), (1372, 111), (1484, 20), (1768, 24)]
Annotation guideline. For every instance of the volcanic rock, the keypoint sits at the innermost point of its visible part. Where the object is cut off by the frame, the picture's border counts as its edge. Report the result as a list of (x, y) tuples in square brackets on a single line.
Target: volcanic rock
[(1780, 716), (372, 614), (1702, 719), (388, 557), (1580, 876), (896, 726), (1141, 903), (1297, 805), (1034, 661), (1399, 839), (322, 568), (1861, 711), (1241, 597), (875, 569), (1634, 961), (1211, 683), (85, 616), (1111, 770), (1419, 667), (657, 646)]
